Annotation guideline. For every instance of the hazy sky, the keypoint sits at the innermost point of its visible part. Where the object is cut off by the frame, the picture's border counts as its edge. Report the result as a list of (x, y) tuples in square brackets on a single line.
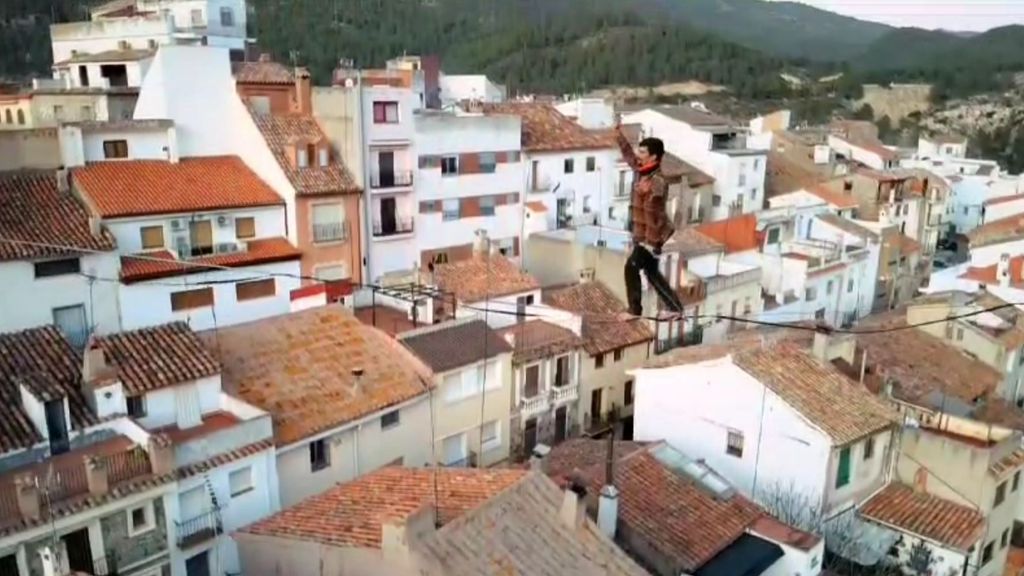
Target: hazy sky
[(948, 14)]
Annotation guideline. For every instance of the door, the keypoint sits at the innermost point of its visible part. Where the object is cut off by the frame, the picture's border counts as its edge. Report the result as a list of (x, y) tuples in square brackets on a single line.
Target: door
[(531, 387), (198, 565), (57, 427), (595, 406), (9, 565), (530, 435), (79, 552), (83, 76), (455, 450), (71, 321), (388, 216), (561, 424), (562, 212), (386, 169), (201, 237), (187, 411)]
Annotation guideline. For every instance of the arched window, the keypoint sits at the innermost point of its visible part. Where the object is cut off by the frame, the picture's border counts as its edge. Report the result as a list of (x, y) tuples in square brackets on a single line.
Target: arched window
[(9, 117), (21, 117)]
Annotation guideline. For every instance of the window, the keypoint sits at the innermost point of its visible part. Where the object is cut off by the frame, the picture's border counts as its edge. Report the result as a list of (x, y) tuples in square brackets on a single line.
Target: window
[(245, 227), (72, 322), (240, 481), (136, 406), (319, 456), (152, 237), (843, 472), (57, 267), (1016, 480), (849, 285), (141, 520), (627, 395), (568, 166), (734, 444), (599, 361), (488, 162), (115, 149), (302, 157), (9, 116), (716, 200), (385, 112), (591, 163), (490, 435), (810, 294), (21, 117), (58, 113), (487, 205), (227, 17), (324, 155), (757, 164), (743, 180), (828, 287), (562, 371), (450, 209), (200, 236), (531, 386), (254, 290), (986, 553), (753, 193), (390, 420), (197, 18), (191, 299), (959, 334), (869, 448), (773, 235), (617, 355), (586, 204), (449, 165), (1004, 539), (1000, 494), (328, 223)]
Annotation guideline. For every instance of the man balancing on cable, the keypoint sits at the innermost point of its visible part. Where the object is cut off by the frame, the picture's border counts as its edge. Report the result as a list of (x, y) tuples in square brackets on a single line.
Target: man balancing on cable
[(649, 223)]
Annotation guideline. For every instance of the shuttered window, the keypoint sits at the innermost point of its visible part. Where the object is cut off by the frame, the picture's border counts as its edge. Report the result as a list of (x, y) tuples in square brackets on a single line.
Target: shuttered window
[(843, 474), (245, 227), (152, 237), (191, 299), (253, 290)]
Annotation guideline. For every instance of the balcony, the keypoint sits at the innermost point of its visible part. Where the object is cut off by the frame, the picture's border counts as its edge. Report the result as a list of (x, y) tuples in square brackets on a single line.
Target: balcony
[(394, 179), (533, 406), (330, 232), (563, 394), (395, 228), (198, 529)]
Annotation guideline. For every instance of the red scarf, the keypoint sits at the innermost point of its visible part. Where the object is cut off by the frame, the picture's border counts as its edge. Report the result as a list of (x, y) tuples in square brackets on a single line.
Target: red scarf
[(647, 169)]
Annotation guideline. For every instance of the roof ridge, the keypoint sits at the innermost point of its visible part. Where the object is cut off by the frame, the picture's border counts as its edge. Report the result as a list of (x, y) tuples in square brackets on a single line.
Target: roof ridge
[(438, 327)]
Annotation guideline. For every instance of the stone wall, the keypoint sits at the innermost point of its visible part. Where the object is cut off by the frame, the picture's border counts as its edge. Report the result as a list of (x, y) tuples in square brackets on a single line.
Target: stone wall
[(896, 101), (126, 550)]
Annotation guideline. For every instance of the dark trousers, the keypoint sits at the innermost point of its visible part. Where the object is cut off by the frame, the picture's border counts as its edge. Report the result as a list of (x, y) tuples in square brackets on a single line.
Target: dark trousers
[(642, 260)]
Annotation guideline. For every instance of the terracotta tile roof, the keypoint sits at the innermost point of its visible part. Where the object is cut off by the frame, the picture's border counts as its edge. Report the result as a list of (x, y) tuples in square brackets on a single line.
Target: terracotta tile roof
[(473, 279), (738, 234), (152, 358), (1000, 412), (33, 210), (599, 308), (988, 274), (535, 206), (908, 245), (837, 199), (846, 412), (352, 514), (784, 175), (922, 365), (997, 231), (45, 358), (673, 166), (265, 251), (536, 339), (128, 55), (455, 344), (1003, 199), (281, 131), (923, 514), (667, 510), (1008, 463), (690, 241), (545, 129), (146, 187), (779, 532), (519, 532), (262, 72), (298, 367), (874, 146), (585, 455)]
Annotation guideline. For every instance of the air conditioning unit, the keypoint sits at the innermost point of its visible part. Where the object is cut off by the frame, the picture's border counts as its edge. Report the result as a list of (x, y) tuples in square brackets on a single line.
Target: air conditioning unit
[(227, 247), (224, 221), (177, 225), (182, 247)]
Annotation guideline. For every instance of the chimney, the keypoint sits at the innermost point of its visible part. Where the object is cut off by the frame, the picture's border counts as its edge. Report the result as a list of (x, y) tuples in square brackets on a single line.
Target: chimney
[(536, 463), (303, 91), (96, 475), (94, 361), (608, 504), (820, 346), (161, 454), (573, 510), (398, 535), (63, 182), (511, 339), (921, 480), (173, 155), (27, 493), (264, 58), (481, 243), (1003, 270), (863, 365)]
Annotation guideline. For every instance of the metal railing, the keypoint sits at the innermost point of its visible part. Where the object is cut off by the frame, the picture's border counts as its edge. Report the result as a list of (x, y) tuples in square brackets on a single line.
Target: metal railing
[(402, 226), (394, 179), (198, 529), (330, 232)]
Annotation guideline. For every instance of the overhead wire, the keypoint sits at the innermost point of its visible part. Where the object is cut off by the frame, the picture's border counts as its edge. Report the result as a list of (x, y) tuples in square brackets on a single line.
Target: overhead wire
[(592, 317)]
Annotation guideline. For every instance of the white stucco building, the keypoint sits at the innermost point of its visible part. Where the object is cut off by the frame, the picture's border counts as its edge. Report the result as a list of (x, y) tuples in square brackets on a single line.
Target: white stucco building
[(456, 88), (715, 146)]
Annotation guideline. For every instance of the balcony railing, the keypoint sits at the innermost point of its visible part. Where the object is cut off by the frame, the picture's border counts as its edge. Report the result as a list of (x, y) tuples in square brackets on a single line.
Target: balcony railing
[(394, 179), (535, 405), (330, 232), (199, 529), (401, 226), (568, 393)]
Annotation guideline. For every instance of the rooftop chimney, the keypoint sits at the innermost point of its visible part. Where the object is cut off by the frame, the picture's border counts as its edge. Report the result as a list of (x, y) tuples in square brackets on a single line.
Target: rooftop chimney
[(27, 493), (96, 475), (161, 454), (481, 243), (264, 58), (820, 346), (94, 362), (303, 93), (608, 504), (573, 510)]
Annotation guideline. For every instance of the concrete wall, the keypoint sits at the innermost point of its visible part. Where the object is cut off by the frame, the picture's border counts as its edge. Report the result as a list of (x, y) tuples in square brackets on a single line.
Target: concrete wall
[(355, 449), (456, 414), (269, 224), (795, 561), (29, 149), (267, 555), (610, 379), (579, 190), (142, 145), (458, 87)]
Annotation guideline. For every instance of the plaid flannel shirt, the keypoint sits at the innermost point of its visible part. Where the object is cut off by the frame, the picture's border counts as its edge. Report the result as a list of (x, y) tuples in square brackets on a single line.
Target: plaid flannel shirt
[(648, 217)]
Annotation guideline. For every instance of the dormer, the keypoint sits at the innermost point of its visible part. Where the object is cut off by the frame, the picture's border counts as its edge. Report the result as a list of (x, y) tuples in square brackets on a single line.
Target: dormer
[(309, 153), (46, 406)]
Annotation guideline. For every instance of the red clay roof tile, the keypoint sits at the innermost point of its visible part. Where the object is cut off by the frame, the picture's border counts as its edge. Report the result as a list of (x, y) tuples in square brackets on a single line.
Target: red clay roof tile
[(282, 131), (152, 358), (599, 307), (545, 129), (926, 515), (164, 264), (738, 234), (473, 279)]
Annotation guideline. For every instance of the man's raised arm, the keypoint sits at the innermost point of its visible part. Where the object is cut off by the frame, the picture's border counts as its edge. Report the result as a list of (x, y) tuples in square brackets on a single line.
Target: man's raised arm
[(628, 154)]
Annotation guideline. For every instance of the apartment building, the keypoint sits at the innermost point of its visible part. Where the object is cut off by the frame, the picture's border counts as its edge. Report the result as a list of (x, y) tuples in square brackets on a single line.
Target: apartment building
[(47, 279), (869, 152), (611, 348), (469, 178), (714, 145), (546, 361), (131, 461), (772, 404), (472, 368), (345, 398), (407, 521), (569, 169)]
